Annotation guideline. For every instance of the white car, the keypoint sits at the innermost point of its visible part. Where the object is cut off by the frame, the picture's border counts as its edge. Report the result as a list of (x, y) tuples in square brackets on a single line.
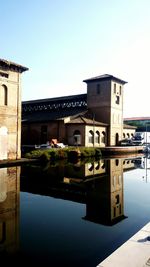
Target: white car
[(61, 145)]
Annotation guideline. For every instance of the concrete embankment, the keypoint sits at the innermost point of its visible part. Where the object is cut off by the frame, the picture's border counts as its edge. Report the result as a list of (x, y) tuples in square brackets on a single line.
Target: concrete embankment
[(113, 150), (135, 252)]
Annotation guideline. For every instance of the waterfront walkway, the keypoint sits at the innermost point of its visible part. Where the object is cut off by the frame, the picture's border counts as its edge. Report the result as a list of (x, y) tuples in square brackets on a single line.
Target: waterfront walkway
[(135, 252)]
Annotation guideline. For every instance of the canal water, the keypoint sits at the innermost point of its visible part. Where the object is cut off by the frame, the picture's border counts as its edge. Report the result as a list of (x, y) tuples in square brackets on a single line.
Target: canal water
[(71, 214)]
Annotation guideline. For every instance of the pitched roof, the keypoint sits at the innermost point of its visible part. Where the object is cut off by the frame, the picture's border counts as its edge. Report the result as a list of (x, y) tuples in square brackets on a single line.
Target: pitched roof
[(137, 119), (127, 126), (104, 77), (82, 119), (51, 115), (55, 99), (11, 65)]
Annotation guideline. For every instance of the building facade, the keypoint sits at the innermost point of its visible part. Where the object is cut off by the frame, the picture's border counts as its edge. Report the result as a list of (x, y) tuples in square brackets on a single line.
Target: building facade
[(142, 123), (10, 109), (92, 119)]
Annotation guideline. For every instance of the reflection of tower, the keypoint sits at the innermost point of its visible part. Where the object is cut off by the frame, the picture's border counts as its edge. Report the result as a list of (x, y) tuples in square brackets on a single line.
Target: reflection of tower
[(9, 208), (116, 188), (105, 202)]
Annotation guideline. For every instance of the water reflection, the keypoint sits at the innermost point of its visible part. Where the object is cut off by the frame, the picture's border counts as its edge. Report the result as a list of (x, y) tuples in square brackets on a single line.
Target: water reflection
[(97, 184), (46, 225), (9, 209)]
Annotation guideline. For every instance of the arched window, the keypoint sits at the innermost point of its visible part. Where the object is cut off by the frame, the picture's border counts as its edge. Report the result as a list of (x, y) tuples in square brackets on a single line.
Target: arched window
[(90, 166), (103, 139), (117, 162), (97, 165), (5, 96), (77, 137), (5, 93), (117, 138), (91, 137), (97, 137)]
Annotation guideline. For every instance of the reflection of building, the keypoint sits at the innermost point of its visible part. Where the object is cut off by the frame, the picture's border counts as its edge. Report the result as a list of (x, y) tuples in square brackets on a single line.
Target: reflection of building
[(97, 184), (92, 119), (10, 109), (84, 171), (9, 209), (105, 203)]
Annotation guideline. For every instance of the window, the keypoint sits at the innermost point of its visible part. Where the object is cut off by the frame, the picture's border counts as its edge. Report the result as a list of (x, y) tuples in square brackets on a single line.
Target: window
[(103, 139), (3, 95), (77, 137), (97, 137), (117, 99), (98, 89), (114, 88), (117, 199), (91, 137), (120, 89), (114, 181), (91, 166), (3, 74), (97, 166), (124, 135), (117, 162)]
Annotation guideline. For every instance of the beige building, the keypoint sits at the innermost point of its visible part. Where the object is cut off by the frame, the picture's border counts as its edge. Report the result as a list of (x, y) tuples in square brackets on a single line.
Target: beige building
[(10, 109), (92, 119), (9, 209)]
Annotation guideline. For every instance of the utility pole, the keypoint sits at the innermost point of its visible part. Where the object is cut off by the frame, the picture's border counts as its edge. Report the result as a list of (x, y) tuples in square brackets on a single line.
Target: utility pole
[(146, 133)]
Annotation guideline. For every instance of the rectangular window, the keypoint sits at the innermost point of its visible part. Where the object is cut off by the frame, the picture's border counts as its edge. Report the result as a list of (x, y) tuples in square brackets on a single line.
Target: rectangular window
[(3, 74), (117, 99), (114, 88), (120, 90)]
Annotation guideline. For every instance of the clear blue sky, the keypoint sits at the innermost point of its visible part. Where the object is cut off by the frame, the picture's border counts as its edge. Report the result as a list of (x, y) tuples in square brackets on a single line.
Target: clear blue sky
[(63, 42)]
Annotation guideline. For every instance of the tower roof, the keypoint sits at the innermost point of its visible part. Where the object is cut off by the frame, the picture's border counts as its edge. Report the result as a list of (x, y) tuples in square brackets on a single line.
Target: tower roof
[(104, 77), (7, 65)]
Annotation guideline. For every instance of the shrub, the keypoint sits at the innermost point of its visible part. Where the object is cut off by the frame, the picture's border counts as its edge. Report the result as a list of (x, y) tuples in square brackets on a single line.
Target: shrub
[(98, 153), (45, 157), (71, 153)]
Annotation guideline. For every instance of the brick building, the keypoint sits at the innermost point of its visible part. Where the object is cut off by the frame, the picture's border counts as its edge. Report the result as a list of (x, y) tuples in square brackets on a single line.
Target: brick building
[(92, 119)]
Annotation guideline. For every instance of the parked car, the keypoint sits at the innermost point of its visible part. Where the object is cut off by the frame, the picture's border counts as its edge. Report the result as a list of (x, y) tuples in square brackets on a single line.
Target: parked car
[(126, 142), (43, 146), (60, 145)]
